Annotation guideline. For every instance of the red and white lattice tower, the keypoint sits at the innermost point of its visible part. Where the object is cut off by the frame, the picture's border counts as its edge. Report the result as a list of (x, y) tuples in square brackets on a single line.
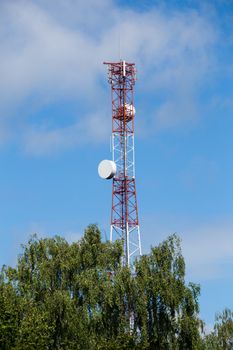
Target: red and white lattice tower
[(124, 215)]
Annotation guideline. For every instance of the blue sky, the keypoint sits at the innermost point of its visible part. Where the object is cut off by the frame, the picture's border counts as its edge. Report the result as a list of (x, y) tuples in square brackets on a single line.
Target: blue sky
[(55, 123)]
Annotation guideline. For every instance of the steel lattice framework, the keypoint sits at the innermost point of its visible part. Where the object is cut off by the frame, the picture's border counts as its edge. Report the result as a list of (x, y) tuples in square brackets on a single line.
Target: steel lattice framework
[(124, 215)]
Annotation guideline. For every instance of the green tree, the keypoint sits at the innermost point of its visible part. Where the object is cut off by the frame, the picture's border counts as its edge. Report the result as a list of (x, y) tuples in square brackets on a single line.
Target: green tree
[(167, 309), (79, 296), (222, 336), (9, 313)]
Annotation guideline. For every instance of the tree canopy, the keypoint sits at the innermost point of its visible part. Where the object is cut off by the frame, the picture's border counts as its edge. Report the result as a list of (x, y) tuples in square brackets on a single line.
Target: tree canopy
[(79, 296), (222, 335)]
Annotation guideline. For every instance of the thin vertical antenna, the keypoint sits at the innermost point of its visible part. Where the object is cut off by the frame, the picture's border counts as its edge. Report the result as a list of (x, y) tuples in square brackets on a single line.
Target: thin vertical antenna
[(123, 68), (119, 45)]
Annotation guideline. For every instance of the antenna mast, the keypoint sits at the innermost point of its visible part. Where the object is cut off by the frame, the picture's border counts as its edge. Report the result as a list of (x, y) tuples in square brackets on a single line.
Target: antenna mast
[(124, 213)]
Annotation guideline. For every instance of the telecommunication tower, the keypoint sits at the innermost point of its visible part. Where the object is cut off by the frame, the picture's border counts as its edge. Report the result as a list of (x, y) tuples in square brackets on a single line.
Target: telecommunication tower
[(121, 169)]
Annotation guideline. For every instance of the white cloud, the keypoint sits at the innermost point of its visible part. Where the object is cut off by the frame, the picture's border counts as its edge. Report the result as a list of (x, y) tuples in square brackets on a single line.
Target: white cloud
[(45, 141), (53, 51), (207, 246), (209, 251), (176, 111)]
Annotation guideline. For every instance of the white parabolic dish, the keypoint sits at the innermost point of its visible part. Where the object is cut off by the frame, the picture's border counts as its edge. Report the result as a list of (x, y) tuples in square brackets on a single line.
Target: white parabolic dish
[(107, 169)]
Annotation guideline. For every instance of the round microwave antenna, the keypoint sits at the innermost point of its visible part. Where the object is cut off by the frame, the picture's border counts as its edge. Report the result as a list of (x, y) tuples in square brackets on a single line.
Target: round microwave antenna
[(107, 169)]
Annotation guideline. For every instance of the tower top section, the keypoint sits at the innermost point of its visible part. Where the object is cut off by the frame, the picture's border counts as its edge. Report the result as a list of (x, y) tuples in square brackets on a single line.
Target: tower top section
[(121, 73)]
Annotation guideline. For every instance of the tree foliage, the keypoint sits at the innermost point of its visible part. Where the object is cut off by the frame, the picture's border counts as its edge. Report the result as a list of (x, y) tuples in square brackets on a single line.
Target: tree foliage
[(222, 336), (79, 296)]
